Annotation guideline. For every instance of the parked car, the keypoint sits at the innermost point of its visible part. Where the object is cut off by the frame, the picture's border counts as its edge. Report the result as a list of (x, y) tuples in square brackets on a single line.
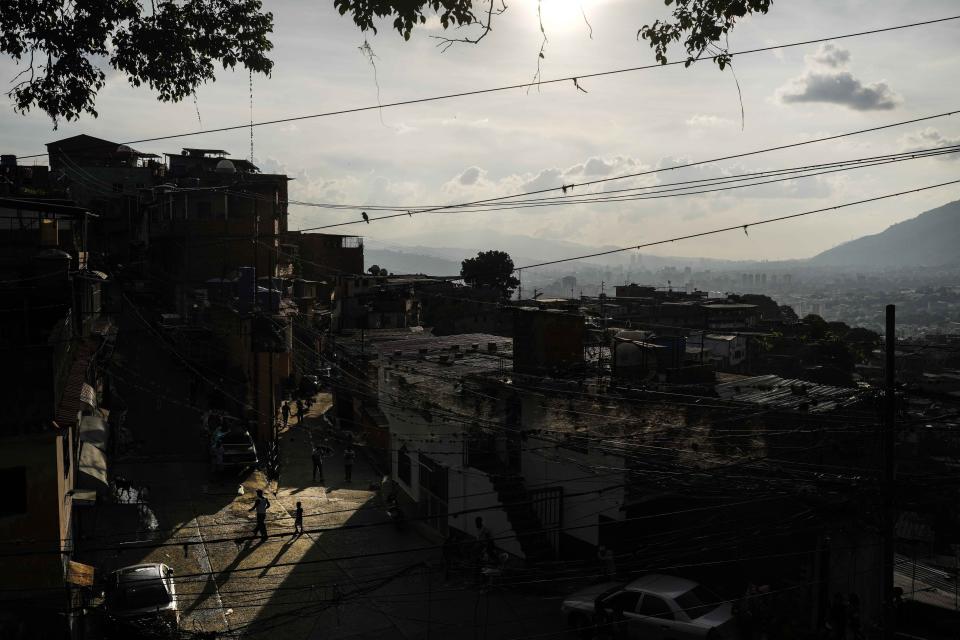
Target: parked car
[(142, 596), (233, 449), (654, 607)]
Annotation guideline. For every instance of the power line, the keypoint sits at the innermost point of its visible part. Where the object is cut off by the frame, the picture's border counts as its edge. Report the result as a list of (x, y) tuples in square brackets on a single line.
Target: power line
[(687, 165), (738, 227), (525, 85), (605, 196)]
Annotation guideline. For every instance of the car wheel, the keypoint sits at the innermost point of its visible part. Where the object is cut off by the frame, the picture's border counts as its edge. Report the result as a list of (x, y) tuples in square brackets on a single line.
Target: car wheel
[(581, 625)]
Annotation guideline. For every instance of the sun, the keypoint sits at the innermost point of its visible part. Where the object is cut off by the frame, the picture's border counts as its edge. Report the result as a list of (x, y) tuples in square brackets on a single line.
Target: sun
[(563, 15)]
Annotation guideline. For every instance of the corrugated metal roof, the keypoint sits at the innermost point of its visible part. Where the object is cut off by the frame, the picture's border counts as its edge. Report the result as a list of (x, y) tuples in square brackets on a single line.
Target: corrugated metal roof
[(771, 390)]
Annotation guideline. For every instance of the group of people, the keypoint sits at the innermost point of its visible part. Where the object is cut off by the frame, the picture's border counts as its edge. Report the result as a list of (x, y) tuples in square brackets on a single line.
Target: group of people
[(285, 409), (261, 504), (322, 451)]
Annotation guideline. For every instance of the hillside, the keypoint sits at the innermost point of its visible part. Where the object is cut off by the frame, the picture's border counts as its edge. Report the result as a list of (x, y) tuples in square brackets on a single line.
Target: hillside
[(404, 262), (931, 239)]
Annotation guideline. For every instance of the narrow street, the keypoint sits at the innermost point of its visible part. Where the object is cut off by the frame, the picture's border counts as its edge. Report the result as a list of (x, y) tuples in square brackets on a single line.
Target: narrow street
[(352, 575)]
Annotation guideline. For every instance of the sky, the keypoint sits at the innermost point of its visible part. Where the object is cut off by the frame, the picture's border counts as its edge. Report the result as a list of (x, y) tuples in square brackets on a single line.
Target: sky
[(504, 143)]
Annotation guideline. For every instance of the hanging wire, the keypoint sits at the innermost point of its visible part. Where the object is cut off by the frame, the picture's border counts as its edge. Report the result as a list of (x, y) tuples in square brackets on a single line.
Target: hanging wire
[(250, 77)]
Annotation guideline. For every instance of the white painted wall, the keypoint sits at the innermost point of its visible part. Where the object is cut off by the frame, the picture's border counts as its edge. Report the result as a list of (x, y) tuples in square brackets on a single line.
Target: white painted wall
[(578, 473)]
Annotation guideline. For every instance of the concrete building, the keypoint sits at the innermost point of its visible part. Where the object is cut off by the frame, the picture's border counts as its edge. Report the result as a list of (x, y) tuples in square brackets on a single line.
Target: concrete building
[(729, 349), (52, 336)]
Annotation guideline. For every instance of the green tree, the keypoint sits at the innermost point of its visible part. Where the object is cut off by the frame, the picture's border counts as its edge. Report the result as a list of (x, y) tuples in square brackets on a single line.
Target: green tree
[(63, 47), (814, 327), (492, 269)]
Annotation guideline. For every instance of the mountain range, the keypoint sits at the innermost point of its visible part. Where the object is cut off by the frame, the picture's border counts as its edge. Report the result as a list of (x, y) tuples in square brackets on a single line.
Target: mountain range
[(931, 239)]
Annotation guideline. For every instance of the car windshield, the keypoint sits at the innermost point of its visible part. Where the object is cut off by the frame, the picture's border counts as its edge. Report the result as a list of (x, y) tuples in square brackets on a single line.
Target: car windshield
[(147, 593), (698, 601)]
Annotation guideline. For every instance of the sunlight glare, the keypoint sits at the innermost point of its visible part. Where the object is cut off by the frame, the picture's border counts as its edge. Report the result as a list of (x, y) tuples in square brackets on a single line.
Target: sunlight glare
[(563, 15)]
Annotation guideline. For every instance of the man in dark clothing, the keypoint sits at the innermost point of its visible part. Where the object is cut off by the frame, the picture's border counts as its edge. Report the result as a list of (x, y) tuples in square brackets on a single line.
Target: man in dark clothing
[(299, 410), (317, 463), (285, 412), (485, 538), (261, 504), (349, 455)]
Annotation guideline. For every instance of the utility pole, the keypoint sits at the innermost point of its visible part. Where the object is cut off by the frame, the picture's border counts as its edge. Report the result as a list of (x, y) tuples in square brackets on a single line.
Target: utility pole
[(272, 354), (888, 451), (603, 325)]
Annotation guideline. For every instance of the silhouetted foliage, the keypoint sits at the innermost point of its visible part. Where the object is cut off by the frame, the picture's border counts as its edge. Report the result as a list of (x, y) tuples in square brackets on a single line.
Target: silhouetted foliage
[(493, 269), (700, 24), (813, 327), (406, 13), (63, 48)]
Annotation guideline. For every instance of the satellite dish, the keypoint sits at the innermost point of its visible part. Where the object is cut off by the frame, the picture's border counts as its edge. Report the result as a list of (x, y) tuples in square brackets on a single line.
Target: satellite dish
[(225, 166), (184, 153)]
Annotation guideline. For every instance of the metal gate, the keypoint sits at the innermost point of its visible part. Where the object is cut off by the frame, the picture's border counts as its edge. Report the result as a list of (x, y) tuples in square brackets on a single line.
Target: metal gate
[(548, 505)]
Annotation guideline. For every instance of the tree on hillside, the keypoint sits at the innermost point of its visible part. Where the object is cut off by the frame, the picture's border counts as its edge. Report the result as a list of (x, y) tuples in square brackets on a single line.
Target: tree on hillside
[(63, 49), (492, 269)]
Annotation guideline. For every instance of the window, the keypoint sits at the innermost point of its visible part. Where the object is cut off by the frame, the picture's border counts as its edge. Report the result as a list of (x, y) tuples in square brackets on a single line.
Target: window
[(623, 601), (433, 477), (655, 607), (403, 465), (14, 483), (698, 601), (118, 187)]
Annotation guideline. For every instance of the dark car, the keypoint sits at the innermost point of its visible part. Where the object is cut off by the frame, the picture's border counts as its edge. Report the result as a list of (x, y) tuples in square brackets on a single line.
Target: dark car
[(142, 596), (653, 607), (233, 450)]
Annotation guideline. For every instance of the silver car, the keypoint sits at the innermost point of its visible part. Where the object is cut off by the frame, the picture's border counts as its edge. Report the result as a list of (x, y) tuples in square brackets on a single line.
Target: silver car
[(143, 593), (654, 607)]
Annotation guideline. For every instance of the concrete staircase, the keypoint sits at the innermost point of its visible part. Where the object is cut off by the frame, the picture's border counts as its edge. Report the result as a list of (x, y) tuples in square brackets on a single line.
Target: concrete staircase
[(515, 501)]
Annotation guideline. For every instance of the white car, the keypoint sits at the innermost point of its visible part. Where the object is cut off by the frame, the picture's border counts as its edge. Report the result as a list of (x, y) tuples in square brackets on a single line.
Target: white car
[(142, 593), (654, 607)]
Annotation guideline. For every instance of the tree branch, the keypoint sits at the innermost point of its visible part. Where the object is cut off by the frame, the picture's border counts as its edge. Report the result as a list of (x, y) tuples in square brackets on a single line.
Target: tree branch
[(487, 26)]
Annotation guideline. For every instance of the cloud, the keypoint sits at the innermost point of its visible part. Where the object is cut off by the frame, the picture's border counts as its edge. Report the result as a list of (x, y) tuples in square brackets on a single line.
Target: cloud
[(470, 176), (840, 88), (831, 55), (929, 138), (701, 121), (598, 167), (546, 179), (823, 81)]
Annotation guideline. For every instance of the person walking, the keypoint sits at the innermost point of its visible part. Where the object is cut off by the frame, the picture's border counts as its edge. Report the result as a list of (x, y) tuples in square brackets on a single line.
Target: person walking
[(298, 520), (261, 504), (485, 538), (299, 410), (285, 412), (608, 566), (317, 463), (349, 455)]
